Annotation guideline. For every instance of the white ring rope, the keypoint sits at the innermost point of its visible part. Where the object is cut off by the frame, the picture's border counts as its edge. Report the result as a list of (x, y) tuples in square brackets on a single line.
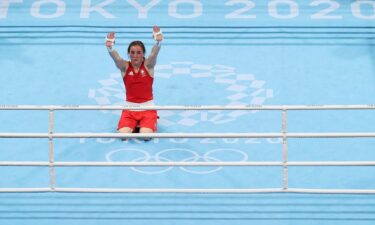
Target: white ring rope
[(187, 135), (284, 134), (167, 164), (193, 107)]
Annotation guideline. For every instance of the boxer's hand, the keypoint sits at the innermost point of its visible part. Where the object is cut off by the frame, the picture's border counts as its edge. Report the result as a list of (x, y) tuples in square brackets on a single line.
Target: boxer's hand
[(110, 40), (157, 34)]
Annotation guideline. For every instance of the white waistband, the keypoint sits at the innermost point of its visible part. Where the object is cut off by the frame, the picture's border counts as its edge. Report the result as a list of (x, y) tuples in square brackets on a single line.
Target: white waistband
[(148, 103)]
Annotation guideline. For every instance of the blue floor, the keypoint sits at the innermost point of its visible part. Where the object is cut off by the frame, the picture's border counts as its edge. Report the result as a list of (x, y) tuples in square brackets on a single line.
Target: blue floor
[(276, 52)]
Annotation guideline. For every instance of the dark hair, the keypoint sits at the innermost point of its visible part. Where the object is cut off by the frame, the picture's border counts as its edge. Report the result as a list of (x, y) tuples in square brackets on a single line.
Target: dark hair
[(139, 43)]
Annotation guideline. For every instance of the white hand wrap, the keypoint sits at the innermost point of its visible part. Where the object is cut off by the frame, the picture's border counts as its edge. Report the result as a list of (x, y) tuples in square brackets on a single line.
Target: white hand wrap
[(111, 40), (155, 34)]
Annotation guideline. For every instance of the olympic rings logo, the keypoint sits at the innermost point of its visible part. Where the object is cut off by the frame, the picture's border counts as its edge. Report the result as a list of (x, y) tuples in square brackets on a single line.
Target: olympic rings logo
[(176, 155)]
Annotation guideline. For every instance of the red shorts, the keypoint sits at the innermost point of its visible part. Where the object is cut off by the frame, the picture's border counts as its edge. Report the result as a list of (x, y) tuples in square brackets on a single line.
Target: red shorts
[(147, 119)]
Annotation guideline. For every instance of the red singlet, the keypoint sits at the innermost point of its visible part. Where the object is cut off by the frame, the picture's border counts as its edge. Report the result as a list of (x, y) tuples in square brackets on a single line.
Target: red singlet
[(138, 85)]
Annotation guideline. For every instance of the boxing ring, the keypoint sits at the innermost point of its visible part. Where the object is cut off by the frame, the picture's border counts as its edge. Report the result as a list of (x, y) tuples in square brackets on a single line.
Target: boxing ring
[(266, 113), (284, 134)]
